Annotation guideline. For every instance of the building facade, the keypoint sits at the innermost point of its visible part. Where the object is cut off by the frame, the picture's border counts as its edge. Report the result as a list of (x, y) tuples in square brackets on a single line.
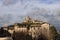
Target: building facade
[(34, 28)]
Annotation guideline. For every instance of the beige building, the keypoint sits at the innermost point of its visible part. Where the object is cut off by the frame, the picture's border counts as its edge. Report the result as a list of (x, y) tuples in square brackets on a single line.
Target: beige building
[(30, 26)]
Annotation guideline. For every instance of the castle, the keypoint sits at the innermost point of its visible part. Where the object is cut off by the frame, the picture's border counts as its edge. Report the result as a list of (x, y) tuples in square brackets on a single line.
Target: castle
[(34, 28)]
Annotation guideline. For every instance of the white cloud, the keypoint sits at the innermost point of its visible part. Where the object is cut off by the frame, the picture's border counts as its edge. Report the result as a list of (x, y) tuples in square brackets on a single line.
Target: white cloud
[(36, 9), (45, 12)]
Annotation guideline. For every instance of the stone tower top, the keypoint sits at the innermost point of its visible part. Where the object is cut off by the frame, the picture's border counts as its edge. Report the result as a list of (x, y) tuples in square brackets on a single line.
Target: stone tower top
[(27, 18), (30, 20)]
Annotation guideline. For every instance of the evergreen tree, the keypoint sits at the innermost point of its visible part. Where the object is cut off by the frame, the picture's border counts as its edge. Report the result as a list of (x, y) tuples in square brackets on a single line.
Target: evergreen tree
[(53, 33)]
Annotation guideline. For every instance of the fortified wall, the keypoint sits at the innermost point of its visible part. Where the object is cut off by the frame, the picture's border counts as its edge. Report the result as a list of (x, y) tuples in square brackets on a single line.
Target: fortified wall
[(29, 27)]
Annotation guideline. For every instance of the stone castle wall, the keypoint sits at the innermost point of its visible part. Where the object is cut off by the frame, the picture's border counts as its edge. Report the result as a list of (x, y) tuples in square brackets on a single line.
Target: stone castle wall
[(30, 29)]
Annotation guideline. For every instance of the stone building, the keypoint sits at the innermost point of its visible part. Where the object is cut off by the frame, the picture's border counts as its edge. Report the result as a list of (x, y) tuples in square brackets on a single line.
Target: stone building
[(33, 28)]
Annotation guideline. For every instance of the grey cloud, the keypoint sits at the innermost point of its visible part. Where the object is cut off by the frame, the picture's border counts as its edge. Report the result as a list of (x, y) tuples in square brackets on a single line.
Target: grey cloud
[(8, 19), (9, 2), (43, 14), (16, 13)]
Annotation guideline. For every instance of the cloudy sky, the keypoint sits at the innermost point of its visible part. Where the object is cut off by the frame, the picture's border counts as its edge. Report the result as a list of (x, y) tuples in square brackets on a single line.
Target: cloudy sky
[(12, 11)]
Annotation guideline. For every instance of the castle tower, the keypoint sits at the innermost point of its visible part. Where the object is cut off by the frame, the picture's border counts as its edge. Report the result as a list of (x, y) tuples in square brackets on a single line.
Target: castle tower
[(27, 19)]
